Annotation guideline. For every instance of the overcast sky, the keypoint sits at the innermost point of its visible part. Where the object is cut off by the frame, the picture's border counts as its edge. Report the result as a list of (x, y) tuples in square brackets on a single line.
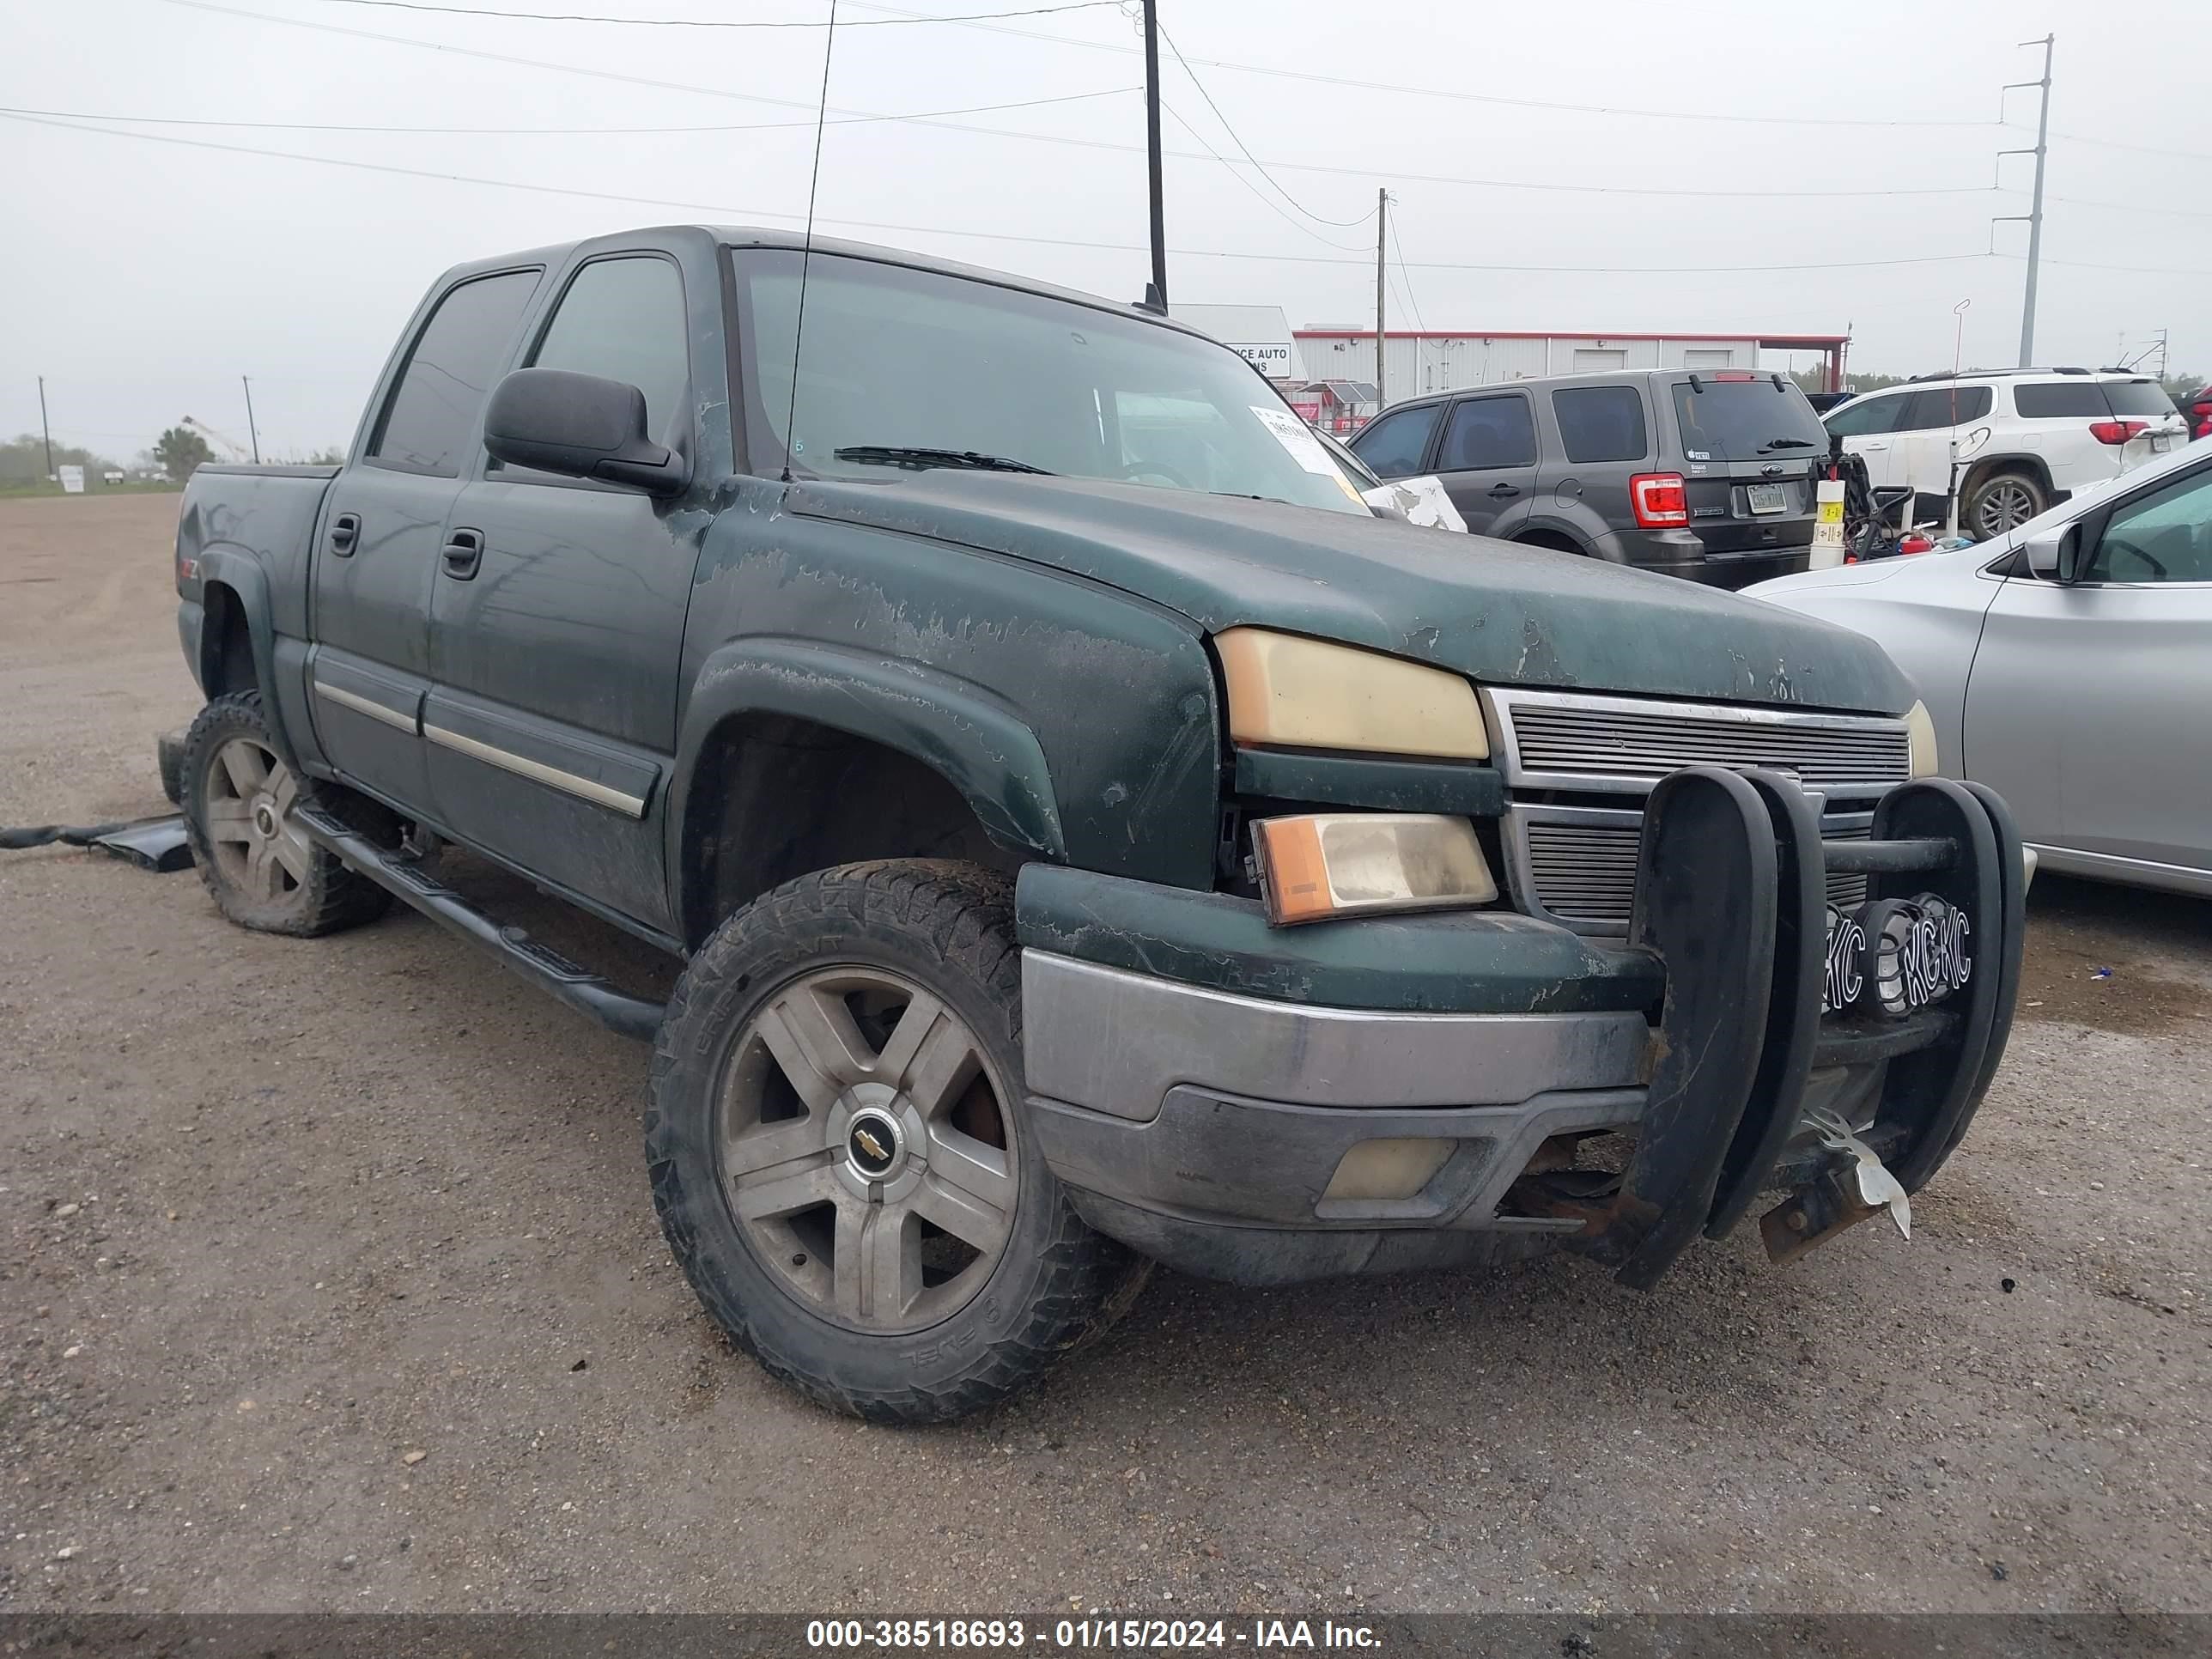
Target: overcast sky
[(141, 278)]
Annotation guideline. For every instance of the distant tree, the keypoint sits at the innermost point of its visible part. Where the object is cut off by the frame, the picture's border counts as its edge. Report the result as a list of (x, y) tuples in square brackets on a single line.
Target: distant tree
[(1812, 380), (23, 461), (179, 449), (327, 456)]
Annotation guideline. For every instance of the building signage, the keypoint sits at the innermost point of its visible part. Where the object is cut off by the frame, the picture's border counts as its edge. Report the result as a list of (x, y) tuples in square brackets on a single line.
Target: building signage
[(1271, 360)]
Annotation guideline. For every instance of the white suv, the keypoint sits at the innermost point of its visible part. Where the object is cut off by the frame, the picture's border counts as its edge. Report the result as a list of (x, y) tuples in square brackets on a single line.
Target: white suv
[(2016, 439)]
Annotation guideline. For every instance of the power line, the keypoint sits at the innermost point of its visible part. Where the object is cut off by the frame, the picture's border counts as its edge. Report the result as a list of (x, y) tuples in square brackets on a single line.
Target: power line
[(2139, 150), (1236, 139), (991, 235), (1463, 97), (721, 126), (2130, 207), (1411, 305), (936, 117), (1264, 199), (710, 23)]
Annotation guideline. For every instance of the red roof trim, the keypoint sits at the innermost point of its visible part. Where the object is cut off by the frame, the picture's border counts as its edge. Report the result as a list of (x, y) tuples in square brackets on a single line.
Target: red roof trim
[(1777, 341)]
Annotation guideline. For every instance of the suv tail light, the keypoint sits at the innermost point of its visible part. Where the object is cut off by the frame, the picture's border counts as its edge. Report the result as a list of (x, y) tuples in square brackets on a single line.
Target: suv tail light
[(2202, 425), (2116, 431), (1659, 500)]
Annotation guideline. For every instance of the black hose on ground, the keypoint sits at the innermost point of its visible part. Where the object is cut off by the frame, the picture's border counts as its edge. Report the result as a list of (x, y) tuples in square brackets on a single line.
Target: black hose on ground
[(69, 834)]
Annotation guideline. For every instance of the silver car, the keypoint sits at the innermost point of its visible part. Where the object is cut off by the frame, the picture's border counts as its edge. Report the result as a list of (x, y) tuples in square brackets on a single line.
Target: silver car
[(2068, 665)]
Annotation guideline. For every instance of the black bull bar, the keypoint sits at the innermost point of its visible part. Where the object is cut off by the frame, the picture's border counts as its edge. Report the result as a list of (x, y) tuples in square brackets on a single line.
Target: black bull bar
[(1731, 894)]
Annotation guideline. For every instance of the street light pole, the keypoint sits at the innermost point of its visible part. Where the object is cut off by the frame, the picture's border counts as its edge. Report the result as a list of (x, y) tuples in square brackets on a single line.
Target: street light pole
[(46, 431), (1382, 222), (1158, 296)]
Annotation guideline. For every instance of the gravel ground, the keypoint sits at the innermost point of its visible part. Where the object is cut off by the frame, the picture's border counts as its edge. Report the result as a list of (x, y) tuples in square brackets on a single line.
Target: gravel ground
[(329, 1280)]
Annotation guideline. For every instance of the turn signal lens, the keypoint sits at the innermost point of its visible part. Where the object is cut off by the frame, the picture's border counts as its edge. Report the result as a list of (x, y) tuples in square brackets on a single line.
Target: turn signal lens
[(1308, 693), (1923, 731), (1349, 864)]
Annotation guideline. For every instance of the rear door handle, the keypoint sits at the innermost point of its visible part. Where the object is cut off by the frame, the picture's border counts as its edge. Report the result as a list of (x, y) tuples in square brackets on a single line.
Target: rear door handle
[(1500, 491), (345, 534), (463, 553)]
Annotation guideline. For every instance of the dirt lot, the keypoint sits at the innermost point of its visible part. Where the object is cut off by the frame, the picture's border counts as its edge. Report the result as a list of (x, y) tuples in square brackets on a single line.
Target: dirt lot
[(329, 1280)]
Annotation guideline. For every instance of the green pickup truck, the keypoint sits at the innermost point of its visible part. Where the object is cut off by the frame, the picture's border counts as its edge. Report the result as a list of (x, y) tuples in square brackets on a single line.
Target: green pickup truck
[(1093, 836)]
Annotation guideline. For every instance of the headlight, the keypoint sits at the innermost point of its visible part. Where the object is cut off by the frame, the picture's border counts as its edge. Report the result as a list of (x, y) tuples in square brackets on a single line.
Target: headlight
[(1308, 694), (1923, 731), (1351, 864)]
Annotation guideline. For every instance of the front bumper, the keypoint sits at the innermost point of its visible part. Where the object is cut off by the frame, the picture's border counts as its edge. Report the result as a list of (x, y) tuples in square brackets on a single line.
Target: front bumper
[(1204, 1124)]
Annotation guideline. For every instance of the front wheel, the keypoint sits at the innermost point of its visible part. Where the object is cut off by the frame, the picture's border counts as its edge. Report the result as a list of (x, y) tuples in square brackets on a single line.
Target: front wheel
[(837, 1151)]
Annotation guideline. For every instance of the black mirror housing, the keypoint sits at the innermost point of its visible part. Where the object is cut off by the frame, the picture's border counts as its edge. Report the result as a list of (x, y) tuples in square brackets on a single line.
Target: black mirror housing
[(580, 426)]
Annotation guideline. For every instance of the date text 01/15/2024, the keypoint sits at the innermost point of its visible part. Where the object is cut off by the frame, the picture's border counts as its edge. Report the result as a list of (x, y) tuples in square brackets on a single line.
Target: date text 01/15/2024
[(1093, 1633)]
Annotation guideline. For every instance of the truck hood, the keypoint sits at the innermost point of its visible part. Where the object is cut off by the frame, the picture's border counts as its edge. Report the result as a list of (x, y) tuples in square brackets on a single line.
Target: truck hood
[(1498, 612)]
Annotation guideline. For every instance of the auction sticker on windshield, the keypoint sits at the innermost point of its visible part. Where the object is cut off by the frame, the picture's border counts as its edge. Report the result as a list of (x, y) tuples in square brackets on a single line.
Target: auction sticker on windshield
[(1295, 436)]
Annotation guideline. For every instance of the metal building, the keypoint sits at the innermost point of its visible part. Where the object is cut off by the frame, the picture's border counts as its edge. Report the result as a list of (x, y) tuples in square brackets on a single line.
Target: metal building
[(1444, 360)]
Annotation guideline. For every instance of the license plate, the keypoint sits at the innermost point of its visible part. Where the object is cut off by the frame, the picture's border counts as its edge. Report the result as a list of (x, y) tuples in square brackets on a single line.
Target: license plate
[(1894, 956), (1767, 498), (2161, 440)]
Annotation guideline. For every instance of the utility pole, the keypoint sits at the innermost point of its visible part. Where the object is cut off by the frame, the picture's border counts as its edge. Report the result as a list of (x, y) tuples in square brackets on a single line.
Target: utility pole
[(1159, 292), (2034, 213), (1381, 227), (46, 431), (252, 432)]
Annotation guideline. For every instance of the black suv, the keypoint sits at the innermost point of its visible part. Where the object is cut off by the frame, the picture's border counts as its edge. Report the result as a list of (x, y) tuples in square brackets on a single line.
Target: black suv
[(1700, 473)]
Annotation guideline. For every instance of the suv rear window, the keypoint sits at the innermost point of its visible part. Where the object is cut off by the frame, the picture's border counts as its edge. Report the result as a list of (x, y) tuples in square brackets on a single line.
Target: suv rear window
[(1600, 422), (2138, 398), (1746, 419)]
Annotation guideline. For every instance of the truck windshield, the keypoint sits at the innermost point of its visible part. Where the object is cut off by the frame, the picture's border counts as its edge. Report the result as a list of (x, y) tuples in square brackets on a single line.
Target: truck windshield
[(1745, 421), (900, 359)]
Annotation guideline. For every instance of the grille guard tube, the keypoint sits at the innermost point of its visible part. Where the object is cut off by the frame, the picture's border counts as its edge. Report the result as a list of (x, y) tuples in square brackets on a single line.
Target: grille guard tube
[(1730, 897)]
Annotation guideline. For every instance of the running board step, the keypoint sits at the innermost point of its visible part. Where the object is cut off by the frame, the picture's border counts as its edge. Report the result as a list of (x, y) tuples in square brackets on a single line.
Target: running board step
[(540, 964)]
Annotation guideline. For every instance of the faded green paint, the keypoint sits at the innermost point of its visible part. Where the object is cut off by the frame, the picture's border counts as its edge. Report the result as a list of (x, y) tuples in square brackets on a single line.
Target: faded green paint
[(1484, 963), (1504, 614), (1122, 752), (1389, 786)]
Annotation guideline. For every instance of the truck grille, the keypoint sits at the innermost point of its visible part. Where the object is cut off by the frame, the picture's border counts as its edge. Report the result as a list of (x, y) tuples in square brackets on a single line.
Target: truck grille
[(1585, 743), (1584, 874), (1576, 863)]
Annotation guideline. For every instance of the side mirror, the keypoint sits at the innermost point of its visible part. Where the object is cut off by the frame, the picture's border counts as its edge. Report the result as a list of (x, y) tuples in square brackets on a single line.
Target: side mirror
[(582, 427), (2055, 554)]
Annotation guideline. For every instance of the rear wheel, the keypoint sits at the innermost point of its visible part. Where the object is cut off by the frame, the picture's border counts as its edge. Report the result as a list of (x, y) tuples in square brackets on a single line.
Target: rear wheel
[(2000, 502), (263, 871), (837, 1153)]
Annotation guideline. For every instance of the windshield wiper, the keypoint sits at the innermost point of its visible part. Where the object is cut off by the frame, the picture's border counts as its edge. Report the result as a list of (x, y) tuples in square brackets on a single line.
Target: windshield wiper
[(918, 459), (1771, 443)]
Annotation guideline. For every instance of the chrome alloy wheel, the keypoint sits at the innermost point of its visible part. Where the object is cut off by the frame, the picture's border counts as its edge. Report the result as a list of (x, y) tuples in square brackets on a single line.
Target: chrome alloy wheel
[(867, 1149), (2006, 505), (245, 803)]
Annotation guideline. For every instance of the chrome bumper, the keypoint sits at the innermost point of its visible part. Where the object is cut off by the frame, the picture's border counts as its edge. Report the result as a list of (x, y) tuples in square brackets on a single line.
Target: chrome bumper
[(1198, 1104)]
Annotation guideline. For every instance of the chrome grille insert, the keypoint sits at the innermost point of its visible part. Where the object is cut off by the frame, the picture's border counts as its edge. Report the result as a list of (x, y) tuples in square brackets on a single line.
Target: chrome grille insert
[(1556, 740), (1576, 865)]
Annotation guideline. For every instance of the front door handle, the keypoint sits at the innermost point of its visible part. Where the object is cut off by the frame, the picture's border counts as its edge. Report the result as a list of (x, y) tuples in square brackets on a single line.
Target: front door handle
[(345, 534), (463, 553), (1498, 492)]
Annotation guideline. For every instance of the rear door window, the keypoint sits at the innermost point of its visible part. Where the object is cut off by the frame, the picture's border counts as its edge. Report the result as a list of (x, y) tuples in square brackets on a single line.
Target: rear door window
[(1747, 420), (1864, 417), (1945, 406), (1394, 444), (1600, 422), (1488, 432), (430, 422)]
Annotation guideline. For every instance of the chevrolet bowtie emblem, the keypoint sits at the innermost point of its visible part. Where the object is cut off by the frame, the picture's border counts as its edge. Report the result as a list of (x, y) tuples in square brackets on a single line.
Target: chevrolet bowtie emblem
[(874, 1147)]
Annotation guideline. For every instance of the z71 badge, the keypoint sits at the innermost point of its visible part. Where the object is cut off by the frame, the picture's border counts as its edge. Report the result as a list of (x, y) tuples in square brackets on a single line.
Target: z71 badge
[(1892, 956)]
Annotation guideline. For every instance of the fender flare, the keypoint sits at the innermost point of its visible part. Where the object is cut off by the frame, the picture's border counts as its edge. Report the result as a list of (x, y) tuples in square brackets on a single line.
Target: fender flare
[(972, 738), (243, 575)]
